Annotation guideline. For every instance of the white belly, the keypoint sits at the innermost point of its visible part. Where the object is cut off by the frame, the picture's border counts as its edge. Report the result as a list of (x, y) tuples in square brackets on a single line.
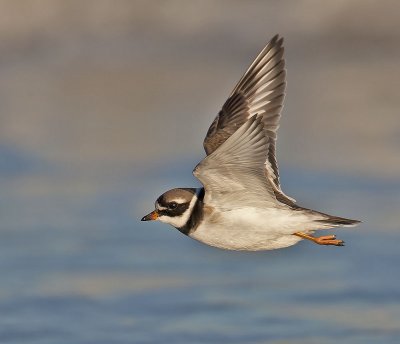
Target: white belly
[(253, 229)]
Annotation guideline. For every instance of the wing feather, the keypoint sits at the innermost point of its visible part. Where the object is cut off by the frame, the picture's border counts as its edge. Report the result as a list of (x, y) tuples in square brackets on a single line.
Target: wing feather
[(260, 91), (233, 174)]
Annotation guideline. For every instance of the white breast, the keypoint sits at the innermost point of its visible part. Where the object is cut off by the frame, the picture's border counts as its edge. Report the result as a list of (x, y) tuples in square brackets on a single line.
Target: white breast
[(252, 229)]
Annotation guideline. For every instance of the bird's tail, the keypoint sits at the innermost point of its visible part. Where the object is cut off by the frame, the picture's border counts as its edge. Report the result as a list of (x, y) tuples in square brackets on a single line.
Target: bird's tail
[(336, 221)]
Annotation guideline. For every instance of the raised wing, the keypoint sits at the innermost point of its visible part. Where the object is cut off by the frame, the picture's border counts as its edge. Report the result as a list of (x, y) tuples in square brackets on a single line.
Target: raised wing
[(260, 91), (233, 174)]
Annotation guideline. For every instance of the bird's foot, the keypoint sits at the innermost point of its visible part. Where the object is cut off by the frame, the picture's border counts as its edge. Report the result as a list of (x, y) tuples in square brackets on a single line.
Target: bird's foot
[(328, 240), (322, 240)]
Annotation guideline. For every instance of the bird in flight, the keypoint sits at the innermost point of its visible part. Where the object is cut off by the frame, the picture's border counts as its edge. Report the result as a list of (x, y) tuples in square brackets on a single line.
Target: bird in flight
[(241, 205)]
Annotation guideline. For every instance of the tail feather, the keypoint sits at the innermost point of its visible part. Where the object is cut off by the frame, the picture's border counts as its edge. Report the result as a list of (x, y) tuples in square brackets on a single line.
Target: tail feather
[(337, 221)]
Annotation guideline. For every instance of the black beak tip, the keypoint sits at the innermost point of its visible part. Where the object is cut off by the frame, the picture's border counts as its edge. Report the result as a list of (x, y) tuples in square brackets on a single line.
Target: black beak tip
[(150, 217)]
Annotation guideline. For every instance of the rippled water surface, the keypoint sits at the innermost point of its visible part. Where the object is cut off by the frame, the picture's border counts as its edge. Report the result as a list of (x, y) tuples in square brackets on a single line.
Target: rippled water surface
[(105, 277)]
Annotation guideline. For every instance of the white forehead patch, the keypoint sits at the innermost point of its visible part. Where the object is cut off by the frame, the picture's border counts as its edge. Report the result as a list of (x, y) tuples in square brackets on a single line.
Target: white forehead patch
[(179, 200)]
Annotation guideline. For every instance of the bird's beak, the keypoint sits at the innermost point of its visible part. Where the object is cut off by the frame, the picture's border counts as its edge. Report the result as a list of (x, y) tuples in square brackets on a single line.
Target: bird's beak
[(151, 217)]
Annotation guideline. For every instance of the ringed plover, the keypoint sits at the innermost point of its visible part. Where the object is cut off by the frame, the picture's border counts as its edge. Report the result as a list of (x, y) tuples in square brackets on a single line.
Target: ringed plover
[(242, 205)]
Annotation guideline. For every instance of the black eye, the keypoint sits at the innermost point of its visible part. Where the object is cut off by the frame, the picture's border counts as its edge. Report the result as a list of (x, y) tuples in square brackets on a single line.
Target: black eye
[(172, 205)]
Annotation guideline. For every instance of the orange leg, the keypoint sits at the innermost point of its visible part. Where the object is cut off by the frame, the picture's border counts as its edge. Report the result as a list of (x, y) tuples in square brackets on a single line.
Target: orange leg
[(322, 240)]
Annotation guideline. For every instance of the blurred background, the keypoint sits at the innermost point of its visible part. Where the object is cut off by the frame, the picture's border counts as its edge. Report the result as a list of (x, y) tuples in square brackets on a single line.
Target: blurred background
[(104, 105)]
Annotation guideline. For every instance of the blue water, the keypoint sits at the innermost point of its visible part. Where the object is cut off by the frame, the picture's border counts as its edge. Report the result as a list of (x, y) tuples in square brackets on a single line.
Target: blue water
[(88, 271)]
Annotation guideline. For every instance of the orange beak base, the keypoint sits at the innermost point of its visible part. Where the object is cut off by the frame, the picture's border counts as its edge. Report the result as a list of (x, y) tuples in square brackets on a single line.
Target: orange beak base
[(151, 217)]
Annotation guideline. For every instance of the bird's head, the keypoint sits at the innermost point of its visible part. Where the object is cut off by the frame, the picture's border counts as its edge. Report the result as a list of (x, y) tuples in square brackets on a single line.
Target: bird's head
[(174, 207)]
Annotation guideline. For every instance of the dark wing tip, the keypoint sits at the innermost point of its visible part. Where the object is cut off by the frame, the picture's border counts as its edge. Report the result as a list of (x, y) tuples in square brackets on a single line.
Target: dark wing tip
[(277, 40)]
